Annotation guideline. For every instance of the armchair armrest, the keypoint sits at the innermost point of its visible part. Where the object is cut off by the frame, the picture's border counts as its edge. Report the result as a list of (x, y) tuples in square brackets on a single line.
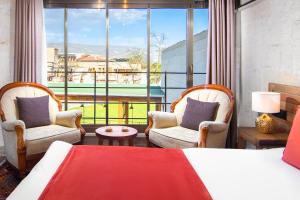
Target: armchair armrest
[(11, 125), (158, 119), (68, 118), (214, 128), (162, 119)]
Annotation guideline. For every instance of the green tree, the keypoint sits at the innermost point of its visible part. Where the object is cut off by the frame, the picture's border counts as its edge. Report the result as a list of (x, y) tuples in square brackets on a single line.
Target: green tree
[(155, 77)]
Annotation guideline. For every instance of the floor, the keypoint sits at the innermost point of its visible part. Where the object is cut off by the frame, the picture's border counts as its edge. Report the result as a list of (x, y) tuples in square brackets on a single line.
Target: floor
[(8, 176)]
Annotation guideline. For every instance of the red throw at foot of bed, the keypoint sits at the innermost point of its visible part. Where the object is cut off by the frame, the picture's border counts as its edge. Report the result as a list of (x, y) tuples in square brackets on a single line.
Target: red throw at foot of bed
[(116, 173)]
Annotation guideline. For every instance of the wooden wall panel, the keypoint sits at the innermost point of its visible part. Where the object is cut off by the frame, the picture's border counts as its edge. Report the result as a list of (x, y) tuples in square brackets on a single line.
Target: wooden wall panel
[(290, 98)]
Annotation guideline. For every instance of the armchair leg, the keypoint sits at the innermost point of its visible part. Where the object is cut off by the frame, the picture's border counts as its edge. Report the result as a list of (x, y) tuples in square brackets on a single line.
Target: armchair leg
[(148, 141), (22, 163), (21, 151), (78, 125), (82, 131)]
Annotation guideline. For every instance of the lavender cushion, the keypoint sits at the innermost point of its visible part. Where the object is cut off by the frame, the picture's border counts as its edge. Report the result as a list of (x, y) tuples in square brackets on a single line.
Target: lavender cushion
[(197, 112), (34, 111)]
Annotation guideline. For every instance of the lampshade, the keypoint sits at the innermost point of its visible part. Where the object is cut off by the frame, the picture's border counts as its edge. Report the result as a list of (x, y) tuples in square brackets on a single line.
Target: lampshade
[(266, 102)]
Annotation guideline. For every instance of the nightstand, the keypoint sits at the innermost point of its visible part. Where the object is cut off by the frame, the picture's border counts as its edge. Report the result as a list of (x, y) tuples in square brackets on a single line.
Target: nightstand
[(260, 140)]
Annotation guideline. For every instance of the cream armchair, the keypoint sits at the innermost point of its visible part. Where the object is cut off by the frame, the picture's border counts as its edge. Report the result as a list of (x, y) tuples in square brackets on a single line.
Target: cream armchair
[(164, 128), (23, 147)]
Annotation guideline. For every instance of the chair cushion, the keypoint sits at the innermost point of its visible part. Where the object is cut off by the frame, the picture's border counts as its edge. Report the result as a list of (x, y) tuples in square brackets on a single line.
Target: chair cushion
[(174, 137), (197, 112), (34, 111), (292, 150), (40, 138)]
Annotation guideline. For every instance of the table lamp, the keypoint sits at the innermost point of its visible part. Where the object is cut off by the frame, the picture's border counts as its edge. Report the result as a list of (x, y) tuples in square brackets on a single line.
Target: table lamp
[(265, 102)]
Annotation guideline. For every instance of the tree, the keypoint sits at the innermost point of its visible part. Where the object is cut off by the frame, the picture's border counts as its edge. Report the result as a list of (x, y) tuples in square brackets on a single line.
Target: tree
[(158, 41), (155, 77), (137, 61)]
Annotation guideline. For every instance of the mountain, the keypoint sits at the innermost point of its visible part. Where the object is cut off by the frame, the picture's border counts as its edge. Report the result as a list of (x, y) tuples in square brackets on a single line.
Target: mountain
[(114, 51)]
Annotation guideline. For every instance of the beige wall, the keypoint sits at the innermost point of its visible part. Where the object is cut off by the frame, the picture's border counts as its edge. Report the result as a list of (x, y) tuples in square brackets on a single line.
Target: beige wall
[(268, 49), (6, 43)]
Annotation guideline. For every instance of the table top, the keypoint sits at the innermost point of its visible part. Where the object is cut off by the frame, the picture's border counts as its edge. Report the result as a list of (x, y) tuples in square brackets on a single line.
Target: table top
[(252, 135), (116, 132)]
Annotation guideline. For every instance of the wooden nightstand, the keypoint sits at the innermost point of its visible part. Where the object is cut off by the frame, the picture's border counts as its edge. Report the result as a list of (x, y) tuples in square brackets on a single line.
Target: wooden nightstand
[(260, 140)]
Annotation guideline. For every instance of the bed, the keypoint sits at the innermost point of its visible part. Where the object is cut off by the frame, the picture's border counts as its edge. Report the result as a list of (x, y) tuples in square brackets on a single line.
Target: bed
[(228, 174)]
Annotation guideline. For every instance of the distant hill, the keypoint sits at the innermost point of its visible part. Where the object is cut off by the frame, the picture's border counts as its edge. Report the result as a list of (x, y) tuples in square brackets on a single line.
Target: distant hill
[(114, 51)]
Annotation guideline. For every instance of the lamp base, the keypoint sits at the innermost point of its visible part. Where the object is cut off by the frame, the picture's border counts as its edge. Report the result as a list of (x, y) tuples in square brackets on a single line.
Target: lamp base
[(264, 124)]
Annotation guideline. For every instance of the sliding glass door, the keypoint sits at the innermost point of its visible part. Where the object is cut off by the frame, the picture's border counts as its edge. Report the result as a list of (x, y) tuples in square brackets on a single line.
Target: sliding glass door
[(117, 64), (168, 52), (127, 89)]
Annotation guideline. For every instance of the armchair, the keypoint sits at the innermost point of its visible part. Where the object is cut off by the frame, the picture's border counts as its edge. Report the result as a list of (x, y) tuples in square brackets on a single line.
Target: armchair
[(24, 146), (164, 128)]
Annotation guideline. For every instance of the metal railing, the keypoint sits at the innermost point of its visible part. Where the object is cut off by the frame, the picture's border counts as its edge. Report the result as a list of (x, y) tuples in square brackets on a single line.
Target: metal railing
[(94, 98)]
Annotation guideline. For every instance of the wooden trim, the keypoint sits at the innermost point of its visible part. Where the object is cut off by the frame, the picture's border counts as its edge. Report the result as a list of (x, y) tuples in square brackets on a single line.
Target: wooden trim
[(78, 125), (212, 87), (150, 119), (203, 137), (26, 84), (21, 150)]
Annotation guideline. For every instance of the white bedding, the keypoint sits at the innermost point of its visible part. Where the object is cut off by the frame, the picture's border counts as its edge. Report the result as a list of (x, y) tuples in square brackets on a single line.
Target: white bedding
[(228, 174)]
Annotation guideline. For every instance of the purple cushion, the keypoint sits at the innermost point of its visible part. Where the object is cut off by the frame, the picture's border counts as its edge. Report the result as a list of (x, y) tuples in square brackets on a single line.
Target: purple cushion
[(34, 111), (197, 112)]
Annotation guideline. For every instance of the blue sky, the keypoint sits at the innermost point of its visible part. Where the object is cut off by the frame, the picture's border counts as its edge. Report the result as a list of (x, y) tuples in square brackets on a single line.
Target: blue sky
[(127, 27)]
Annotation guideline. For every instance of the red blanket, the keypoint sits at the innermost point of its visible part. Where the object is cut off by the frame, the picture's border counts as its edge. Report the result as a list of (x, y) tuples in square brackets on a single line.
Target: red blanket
[(116, 173)]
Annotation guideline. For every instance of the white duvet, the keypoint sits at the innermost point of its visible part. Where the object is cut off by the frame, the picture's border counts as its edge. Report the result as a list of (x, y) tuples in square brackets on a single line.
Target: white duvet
[(228, 174)]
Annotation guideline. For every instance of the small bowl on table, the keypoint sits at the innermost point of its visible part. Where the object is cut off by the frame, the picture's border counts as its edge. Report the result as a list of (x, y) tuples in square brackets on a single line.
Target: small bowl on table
[(108, 129)]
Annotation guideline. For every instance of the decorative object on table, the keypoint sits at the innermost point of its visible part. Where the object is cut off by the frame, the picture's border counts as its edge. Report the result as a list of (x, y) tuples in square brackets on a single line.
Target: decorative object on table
[(265, 103), (108, 129)]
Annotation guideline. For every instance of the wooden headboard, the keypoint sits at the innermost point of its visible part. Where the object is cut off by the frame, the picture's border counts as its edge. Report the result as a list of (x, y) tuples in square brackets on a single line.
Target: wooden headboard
[(290, 98)]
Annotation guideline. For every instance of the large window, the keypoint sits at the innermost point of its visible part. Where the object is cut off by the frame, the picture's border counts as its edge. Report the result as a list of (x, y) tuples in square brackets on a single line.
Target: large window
[(168, 52), (200, 45), (117, 64), (127, 66)]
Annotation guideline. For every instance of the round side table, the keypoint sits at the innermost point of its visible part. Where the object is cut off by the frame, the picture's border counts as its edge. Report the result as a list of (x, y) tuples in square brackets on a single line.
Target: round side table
[(116, 134)]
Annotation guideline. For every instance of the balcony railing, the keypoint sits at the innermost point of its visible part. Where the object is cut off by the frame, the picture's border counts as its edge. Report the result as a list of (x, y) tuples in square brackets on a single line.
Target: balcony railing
[(93, 96)]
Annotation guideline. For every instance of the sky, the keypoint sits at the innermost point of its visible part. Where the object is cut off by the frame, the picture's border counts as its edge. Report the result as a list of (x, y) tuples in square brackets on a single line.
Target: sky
[(128, 27)]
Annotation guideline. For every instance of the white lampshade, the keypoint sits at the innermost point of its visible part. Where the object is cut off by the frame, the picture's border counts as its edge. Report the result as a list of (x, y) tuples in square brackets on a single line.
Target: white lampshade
[(266, 102)]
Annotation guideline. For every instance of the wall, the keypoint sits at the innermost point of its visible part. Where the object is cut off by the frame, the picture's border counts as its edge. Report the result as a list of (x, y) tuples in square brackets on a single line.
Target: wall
[(6, 43), (269, 50)]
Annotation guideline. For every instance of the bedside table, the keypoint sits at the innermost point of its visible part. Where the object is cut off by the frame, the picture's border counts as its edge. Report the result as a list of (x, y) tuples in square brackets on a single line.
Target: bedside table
[(260, 140)]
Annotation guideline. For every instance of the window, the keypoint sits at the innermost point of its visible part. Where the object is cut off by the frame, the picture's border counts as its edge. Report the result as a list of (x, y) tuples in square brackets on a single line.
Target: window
[(54, 24), (200, 45), (168, 52), (121, 63), (128, 57)]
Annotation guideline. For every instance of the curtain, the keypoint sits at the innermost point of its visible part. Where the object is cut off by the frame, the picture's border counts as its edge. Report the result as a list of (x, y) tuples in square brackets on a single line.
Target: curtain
[(29, 38), (220, 66), (221, 43)]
